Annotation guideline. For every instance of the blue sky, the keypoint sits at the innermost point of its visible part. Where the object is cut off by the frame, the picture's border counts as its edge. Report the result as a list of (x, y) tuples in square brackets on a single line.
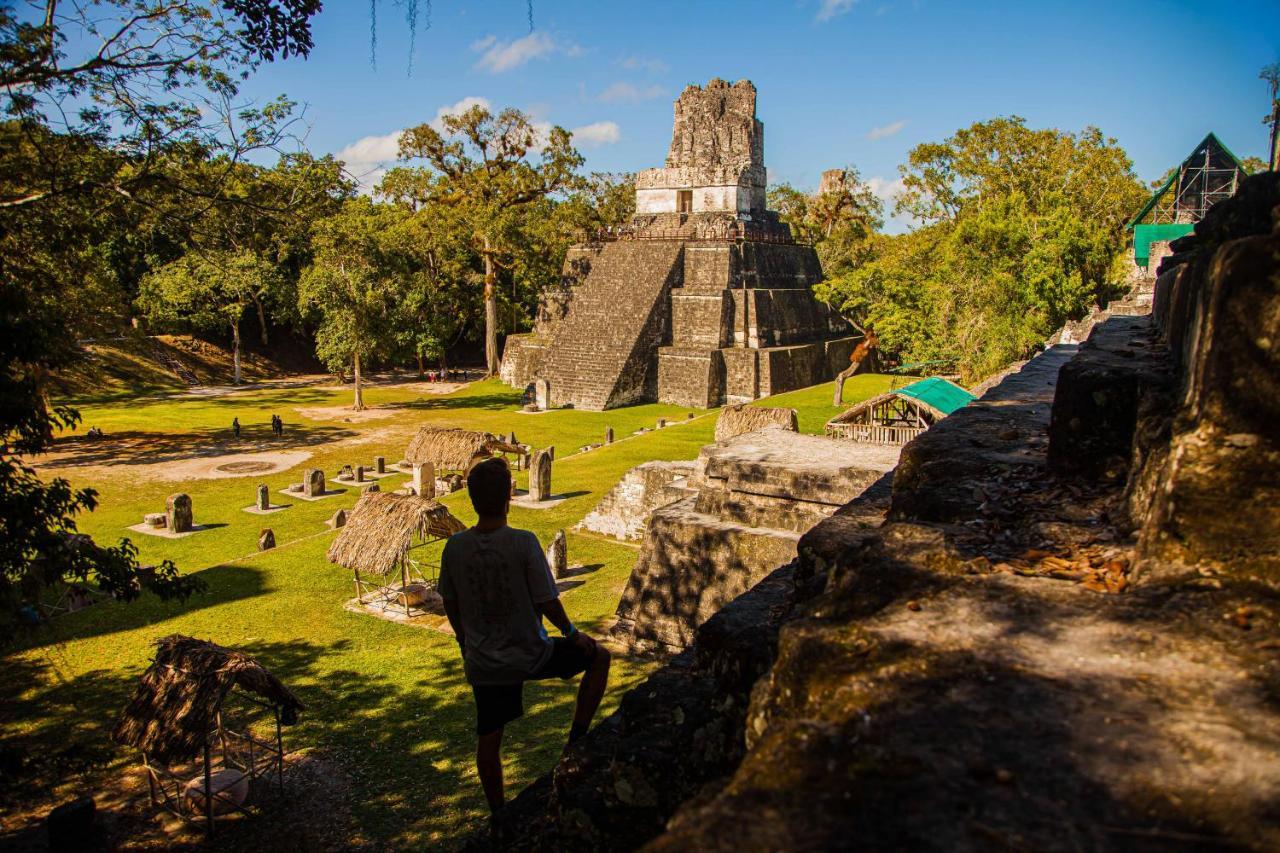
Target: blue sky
[(840, 81)]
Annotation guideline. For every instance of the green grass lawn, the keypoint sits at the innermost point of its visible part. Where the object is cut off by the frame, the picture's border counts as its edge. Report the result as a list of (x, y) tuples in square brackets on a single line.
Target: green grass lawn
[(385, 702)]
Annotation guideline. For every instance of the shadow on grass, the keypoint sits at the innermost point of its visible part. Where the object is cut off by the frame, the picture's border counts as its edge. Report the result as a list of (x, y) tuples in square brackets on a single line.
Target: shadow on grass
[(582, 570), (486, 402), (404, 745), (224, 584), (145, 448)]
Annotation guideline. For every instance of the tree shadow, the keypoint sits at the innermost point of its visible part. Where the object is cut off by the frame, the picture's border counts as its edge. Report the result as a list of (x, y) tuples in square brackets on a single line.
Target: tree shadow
[(485, 402), (148, 448), (224, 584), (402, 748)]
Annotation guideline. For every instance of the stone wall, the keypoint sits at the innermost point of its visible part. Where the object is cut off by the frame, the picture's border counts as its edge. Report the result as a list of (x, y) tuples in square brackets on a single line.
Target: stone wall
[(751, 497), (624, 511)]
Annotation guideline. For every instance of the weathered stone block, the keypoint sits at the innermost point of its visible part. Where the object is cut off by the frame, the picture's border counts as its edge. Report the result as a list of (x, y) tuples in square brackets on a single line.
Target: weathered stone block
[(608, 435), (338, 519), (359, 474), (178, 517), (313, 483), (263, 501), (266, 540), (424, 479), (542, 394), (558, 555), (379, 465), (540, 475)]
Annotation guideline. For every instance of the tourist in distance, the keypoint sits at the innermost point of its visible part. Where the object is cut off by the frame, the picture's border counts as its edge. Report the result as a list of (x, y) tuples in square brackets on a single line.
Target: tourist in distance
[(235, 427), (497, 587)]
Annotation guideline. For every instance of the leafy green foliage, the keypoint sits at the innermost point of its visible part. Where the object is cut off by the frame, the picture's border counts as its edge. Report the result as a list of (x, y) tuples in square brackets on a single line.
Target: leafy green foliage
[(1020, 231)]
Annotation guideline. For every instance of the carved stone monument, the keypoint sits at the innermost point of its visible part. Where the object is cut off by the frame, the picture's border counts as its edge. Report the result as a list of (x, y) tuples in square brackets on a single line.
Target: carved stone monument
[(424, 479), (542, 395), (338, 519), (540, 475), (379, 465), (705, 299), (266, 540), (264, 498), (608, 435), (359, 473), (177, 512), (313, 483), (558, 555)]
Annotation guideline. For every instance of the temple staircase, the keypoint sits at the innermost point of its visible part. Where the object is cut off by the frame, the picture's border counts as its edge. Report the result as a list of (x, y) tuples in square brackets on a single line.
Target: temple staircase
[(604, 351)]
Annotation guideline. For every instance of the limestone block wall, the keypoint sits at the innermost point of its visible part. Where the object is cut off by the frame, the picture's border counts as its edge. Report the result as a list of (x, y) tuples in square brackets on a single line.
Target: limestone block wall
[(624, 511)]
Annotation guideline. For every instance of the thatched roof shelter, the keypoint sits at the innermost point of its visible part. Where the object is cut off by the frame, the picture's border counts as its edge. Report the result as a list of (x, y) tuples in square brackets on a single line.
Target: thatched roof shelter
[(736, 420), (451, 449), (178, 698), (381, 528)]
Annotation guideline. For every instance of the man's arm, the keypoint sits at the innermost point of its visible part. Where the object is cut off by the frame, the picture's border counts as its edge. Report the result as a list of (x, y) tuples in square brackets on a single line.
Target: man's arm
[(553, 610), (455, 622)]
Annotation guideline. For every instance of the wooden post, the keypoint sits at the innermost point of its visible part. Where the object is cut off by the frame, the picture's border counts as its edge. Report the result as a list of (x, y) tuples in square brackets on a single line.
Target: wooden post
[(208, 792)]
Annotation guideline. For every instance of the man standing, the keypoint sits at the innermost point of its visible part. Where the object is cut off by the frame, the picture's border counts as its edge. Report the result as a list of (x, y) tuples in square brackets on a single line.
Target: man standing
[(235, 427), (496, 587)]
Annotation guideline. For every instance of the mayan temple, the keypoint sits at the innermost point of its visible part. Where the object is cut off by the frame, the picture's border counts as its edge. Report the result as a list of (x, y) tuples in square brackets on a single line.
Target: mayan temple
[(704, 299)]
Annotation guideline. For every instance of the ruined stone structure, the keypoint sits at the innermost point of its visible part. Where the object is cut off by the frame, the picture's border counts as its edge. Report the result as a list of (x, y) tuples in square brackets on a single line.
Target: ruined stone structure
[(704, 299), (624, 511), (1052, 628), (740, 514)]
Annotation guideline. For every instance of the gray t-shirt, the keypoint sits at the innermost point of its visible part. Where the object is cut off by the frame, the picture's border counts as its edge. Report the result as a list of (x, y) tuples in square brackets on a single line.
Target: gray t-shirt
[(496, 578)]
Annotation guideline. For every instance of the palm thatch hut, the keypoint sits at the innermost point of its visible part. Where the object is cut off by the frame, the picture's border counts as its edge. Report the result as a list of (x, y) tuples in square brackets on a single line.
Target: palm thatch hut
[(377, 544), (452, 449), (898, 416), (220, 708), (742, 418)]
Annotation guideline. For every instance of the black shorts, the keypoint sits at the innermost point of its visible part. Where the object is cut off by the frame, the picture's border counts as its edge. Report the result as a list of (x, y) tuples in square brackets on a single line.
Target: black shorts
[(499, 704)]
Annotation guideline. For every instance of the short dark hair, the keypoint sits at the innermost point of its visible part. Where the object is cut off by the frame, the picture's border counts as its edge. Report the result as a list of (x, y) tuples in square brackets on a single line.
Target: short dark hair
[(489, 485)]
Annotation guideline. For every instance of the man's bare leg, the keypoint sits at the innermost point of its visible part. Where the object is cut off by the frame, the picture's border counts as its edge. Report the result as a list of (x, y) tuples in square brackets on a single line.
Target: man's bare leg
[(489, 765), (590, 692)]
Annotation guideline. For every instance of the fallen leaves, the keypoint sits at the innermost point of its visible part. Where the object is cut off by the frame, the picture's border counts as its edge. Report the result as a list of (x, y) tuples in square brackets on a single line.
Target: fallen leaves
[(1095, 568)]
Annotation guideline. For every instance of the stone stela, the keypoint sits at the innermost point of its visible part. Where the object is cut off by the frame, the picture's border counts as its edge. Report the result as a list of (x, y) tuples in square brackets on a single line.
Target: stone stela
[(178, 514), (424, 479), (540, 475), (313, 483), (704, 299)]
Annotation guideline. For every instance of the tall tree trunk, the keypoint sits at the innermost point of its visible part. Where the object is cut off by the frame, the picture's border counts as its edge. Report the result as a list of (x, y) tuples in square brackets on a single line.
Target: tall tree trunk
[(262, 319), (355, 372), (235, 344), (490, 312), (422, 371)]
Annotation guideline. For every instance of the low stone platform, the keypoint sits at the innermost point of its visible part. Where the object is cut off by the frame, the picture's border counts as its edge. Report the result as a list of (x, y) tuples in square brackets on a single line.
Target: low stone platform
[(749, 499), (624, 511)]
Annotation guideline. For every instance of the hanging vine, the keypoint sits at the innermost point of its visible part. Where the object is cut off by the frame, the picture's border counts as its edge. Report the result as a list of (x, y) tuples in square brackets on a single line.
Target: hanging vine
[(413, 10)]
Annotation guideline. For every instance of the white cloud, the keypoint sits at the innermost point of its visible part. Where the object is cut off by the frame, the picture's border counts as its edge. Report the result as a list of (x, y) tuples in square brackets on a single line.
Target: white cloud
[(458, 109), (640, 63), (597, 133), (368, 158), (834, 8), (886, 189), (887, 130), (623, 91), (498, 56)]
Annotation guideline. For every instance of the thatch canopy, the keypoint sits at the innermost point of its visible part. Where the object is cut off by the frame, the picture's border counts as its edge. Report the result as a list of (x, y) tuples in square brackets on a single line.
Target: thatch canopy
[(451, 449), (381, 527), (736, 420), (177, 701)]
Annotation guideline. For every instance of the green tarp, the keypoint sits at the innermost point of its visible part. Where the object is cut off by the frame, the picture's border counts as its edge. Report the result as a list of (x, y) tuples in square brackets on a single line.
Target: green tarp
[(937, 392), (1145, 235)]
